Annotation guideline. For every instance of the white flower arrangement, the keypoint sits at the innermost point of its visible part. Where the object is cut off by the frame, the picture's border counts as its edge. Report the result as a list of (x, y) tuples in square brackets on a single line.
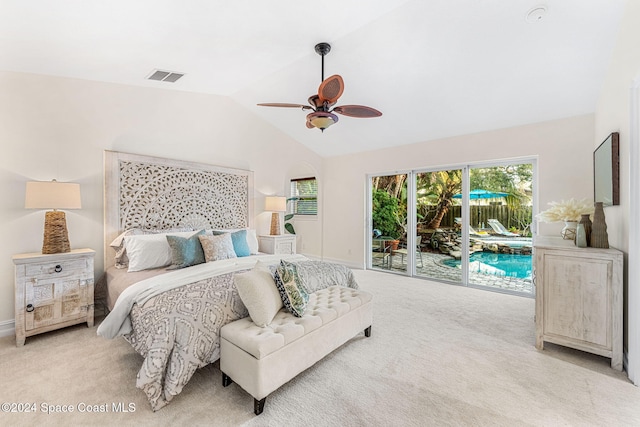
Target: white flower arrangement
[(566, 210)]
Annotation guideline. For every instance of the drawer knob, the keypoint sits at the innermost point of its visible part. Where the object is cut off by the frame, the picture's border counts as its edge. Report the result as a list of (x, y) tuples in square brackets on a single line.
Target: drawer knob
[(58, 268), (30, 308)]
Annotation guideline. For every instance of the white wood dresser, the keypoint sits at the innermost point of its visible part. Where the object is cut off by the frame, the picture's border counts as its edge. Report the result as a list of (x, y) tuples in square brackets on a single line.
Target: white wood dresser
[(52, 291), (579, 297)]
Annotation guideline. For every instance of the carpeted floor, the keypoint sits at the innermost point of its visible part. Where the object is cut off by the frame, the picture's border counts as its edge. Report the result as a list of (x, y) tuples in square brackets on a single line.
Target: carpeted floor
[(439, 355)]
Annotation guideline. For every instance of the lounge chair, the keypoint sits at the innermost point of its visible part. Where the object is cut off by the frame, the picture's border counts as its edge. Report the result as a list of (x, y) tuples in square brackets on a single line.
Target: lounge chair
[(472, 231), (501, 229)]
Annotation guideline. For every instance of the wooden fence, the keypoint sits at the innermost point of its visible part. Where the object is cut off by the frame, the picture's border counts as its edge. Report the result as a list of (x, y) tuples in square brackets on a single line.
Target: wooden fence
[(519, 219)]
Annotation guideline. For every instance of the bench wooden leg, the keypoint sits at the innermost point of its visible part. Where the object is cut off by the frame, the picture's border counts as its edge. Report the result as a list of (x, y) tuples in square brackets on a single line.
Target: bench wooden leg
[(367, 332), (258, 406), (226, 380)]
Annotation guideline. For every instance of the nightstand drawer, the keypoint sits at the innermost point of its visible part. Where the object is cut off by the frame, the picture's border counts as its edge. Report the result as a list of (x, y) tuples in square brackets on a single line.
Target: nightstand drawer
[(280, 244), (56, 269)]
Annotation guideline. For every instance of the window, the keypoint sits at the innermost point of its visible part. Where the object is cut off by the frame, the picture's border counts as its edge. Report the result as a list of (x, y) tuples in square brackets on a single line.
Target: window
[(304, 196)]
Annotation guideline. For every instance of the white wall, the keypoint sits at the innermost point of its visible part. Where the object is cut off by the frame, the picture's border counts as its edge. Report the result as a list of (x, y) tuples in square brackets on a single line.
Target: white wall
[(563, 149), (58, 128), (613, 115)]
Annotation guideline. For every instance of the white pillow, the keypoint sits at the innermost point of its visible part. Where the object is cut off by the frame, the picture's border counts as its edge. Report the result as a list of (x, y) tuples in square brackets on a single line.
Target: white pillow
[(252, 241), (147, 251), (259, 294)]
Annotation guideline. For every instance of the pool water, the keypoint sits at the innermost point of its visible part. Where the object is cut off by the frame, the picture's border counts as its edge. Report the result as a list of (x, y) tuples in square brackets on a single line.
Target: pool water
[(507, 265)]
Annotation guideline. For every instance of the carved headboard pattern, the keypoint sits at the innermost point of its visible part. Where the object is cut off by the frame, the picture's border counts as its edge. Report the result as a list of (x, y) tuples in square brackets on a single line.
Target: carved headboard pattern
[(155, 193)]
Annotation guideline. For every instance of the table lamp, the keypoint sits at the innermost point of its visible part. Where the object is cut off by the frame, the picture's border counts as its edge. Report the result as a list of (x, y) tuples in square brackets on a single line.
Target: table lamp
[(53, 195), (275, 204)]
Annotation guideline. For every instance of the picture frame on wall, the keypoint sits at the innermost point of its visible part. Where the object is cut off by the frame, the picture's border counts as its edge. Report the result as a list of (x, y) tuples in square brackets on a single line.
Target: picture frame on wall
[(606, 171)]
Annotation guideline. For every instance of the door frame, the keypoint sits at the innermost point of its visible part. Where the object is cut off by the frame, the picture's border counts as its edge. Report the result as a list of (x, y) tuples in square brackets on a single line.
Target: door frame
[(412, 219)]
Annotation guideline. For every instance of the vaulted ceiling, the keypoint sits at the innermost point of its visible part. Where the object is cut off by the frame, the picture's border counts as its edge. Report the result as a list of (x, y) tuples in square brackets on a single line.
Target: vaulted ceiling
[(435, 68)]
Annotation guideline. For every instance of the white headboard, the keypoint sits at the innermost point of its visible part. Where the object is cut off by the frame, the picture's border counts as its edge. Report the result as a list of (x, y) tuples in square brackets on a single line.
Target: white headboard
[(155, 193)]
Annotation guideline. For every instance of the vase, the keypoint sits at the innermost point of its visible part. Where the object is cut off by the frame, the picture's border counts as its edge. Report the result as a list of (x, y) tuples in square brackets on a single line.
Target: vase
[(569, 230), (599, 236), (581, 236), (586, 222)]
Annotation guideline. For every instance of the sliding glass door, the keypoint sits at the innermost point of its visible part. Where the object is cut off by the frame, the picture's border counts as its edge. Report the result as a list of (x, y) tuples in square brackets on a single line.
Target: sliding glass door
[(469, 225), (500, 217), (389, 222), (438, 219)]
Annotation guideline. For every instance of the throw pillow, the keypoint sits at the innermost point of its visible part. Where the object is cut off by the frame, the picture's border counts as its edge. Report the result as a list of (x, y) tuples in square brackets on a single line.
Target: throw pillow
[(239, 239), (185, 251), (292, 291), (216, 248), (259, 294)]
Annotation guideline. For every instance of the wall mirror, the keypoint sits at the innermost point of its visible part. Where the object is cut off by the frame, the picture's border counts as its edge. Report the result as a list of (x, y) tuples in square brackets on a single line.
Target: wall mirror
[(606, 171)]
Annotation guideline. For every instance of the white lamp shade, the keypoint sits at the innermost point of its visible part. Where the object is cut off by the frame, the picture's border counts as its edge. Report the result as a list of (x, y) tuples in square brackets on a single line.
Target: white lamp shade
[(52, 195), (275, 204)]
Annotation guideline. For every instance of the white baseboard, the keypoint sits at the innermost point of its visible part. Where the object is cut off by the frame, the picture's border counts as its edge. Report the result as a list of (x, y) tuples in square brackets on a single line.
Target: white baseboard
[(7, 328)]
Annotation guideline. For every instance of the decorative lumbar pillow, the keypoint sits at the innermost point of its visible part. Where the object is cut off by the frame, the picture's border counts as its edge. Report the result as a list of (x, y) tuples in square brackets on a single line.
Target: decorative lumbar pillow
[(216, 248), (259, 294), (147, 251), (292, 291), (185, 251)]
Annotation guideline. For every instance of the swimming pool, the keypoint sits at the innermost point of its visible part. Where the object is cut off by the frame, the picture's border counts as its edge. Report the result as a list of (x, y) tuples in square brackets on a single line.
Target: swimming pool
[(507, 265)]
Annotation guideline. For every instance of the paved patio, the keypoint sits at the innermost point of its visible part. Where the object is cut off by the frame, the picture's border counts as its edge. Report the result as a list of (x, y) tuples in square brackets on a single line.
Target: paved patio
[(433, 268)]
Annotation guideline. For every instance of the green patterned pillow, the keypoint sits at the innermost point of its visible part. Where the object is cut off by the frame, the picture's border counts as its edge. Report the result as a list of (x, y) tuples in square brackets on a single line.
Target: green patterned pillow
[(292, 291), (185, 252)]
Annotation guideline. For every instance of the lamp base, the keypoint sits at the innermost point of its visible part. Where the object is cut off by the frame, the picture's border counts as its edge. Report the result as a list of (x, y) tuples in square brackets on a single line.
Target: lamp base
[(275, 224), (56, 237)]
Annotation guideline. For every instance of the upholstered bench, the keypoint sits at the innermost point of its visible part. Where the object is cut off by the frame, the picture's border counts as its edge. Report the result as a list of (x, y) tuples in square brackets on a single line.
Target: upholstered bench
[(261, 359)]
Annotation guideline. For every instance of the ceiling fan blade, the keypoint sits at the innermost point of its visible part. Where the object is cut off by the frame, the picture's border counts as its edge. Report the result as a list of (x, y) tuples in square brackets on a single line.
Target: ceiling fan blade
[(357, 111), (282, 104), (331, 89)]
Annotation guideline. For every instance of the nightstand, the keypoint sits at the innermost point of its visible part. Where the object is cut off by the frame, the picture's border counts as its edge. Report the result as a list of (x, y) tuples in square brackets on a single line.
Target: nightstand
[(52, 291), (278, 245)]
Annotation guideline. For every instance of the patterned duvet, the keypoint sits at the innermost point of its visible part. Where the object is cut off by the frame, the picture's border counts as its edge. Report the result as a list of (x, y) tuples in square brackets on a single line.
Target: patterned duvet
[(177, 331)]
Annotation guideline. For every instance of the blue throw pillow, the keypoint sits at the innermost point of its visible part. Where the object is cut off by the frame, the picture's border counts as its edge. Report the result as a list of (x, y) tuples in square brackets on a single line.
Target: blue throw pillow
[(240, 245), (185, 252)]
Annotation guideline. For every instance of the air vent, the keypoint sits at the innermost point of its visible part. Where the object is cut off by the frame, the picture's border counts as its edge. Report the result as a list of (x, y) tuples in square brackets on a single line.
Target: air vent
[(164, 76)]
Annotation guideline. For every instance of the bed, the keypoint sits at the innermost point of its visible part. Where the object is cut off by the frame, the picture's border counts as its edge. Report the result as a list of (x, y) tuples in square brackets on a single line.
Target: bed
[(171, 309)]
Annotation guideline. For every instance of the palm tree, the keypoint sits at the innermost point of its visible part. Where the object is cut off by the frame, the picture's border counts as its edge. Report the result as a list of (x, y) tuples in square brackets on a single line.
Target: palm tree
[(442, 186)]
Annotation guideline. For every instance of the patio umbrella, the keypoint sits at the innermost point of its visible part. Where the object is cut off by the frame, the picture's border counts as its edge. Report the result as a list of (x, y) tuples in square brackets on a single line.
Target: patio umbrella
[(482, 194)]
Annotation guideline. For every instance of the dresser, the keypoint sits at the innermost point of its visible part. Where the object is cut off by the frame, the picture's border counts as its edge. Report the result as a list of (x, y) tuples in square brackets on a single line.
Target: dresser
[(52, 291), (279, 245), (579, 297)]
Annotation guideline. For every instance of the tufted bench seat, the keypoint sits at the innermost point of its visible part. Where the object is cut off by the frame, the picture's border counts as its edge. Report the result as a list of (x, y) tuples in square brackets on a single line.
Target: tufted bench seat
[(262, 359)]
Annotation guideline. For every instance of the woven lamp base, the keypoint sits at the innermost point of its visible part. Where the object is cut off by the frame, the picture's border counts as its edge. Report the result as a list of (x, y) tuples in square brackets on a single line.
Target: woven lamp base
[(56, 237), (275, 224)]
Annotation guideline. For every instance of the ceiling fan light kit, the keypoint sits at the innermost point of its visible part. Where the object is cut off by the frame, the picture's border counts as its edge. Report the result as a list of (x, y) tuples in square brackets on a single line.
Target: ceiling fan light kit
[(329, 91)]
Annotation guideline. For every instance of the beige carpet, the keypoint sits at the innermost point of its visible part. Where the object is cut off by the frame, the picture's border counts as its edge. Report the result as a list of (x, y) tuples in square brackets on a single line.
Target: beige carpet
[(439, 355)]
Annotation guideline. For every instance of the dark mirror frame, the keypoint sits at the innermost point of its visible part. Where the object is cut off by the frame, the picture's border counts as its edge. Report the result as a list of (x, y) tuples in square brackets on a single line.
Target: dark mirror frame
[(606, 163)]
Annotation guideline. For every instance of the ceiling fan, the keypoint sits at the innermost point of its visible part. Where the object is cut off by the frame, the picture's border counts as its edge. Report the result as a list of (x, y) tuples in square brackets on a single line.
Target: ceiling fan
[(323, 103)]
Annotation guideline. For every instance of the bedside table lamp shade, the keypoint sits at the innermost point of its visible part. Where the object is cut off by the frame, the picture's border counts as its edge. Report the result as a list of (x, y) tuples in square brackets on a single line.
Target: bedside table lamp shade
[(275, 204), (53, 195)]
